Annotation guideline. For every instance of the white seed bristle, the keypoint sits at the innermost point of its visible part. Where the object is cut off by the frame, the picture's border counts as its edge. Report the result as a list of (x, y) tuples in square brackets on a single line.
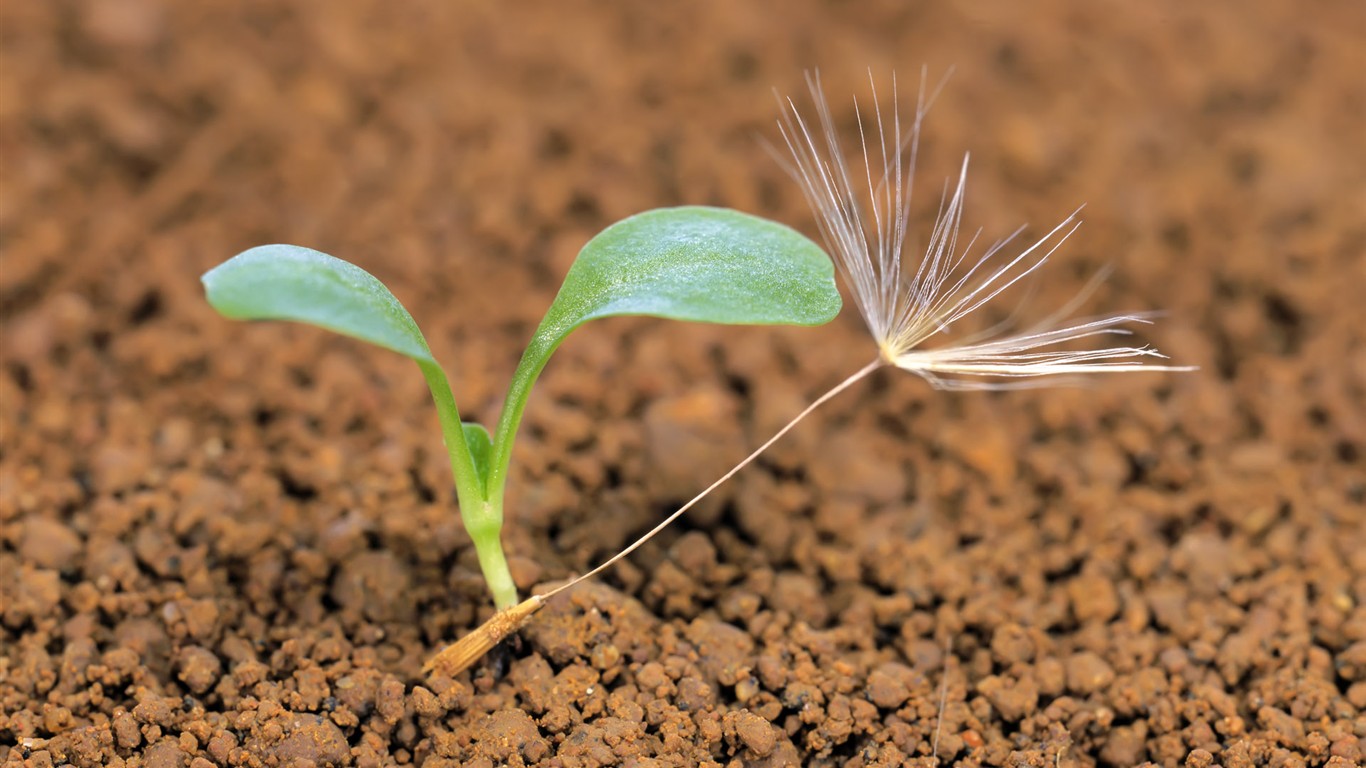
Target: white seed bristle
[(864, 225)]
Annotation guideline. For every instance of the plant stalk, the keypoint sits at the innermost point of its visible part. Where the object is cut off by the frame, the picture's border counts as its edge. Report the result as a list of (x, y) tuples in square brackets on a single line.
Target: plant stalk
[(505, 433), (494, 564), (483, 519)]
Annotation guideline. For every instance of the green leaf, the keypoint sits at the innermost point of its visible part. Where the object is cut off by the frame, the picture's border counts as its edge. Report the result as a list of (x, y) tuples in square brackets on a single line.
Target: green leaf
[(286, 282), (480, 445), (702, 264), (708, 265)]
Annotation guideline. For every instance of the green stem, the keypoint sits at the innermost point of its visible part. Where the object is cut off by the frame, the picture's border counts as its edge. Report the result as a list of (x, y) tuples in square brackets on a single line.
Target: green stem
[(483, 519), (519, 390), (495, 567)]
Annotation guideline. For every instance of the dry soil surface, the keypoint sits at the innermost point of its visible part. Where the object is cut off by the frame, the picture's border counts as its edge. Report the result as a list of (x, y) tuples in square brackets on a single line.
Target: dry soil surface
[(231, 545)]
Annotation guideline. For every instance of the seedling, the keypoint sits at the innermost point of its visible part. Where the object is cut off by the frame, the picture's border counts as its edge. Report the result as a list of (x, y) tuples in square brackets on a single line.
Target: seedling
[(720, 266), (700, 264)]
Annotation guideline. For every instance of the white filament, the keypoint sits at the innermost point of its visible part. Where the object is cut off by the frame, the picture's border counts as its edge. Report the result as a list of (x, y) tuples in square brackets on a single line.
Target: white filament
[(864, 225)]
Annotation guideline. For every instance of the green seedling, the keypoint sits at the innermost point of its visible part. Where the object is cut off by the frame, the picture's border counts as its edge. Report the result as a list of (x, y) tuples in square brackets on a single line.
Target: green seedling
[(723, 267), (699, 264)]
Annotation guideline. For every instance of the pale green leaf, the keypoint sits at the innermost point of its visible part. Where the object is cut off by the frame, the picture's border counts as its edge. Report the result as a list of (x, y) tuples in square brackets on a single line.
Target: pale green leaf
[(480, 445), (286, 282), (701, 264)]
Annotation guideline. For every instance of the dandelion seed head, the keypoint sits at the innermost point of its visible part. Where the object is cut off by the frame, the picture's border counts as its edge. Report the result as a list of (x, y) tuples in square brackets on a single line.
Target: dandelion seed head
[(864, 221)]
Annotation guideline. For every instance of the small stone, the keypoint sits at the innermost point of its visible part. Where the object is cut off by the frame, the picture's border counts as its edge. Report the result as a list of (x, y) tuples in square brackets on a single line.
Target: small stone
[(426, 703), (49, 544), (1199, 758), (164, 754), (1093, 598), (887, 685), (1126, 746), (511, 732), (375, 584), (1014, 699), (1289, 729), (746, 689), (757, 734), (199, 668), (389, 700), (312, 739), (1088, 673), (1011, 644), (694, 695), (724, 650)]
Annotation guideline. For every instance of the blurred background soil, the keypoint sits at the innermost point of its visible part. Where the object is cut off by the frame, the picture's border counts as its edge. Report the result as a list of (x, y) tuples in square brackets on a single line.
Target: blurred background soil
[(227, 545)]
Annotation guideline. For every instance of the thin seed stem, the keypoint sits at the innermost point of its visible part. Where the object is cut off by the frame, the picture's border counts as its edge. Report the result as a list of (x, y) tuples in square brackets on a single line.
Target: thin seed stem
[(943, 698), (838, 388)]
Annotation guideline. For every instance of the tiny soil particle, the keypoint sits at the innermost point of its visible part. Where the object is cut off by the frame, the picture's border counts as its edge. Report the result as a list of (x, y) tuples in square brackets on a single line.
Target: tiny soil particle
[(236, 545)]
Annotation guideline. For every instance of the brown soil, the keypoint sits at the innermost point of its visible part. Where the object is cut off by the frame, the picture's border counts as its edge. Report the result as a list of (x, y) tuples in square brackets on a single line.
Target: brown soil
[(225, 545)]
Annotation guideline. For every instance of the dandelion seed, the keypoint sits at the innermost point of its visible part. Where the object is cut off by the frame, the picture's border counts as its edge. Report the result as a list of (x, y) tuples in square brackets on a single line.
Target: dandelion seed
[(865, 223)]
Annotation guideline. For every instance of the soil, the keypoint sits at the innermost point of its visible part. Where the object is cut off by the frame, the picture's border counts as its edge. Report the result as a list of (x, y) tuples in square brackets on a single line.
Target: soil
[(232, 545)]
